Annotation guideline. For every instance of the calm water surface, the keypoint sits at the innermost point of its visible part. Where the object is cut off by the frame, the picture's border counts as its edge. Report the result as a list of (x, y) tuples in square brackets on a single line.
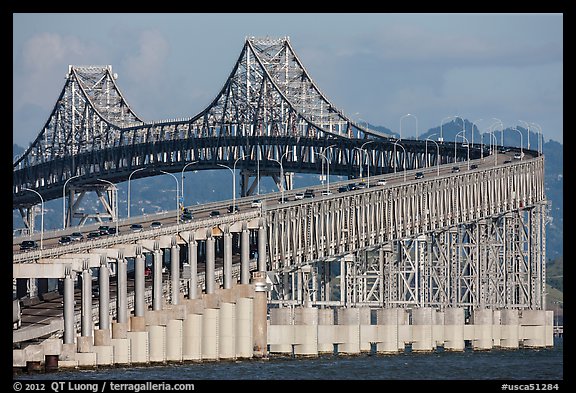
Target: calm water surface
[(521, 364)]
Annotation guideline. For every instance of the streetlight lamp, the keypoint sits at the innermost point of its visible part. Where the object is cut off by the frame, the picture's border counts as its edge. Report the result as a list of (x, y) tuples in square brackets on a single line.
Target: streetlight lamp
[(115, 191), (328, 177), (281, 176), (468, 151), (233, 182), (415, 118), (521, 143), (474, 125), (182, 178), (528, 141), (404, 158), (361, 150), (42, 219), (441, 139), (493, 147), (540, 138), (502, 135), (129, 178), (456, 137), (177, 195), (437, 154), (64, 201), (322, 153)]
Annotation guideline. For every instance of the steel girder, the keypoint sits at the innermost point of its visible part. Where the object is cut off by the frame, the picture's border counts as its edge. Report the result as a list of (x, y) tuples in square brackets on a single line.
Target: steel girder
[(269, 95)]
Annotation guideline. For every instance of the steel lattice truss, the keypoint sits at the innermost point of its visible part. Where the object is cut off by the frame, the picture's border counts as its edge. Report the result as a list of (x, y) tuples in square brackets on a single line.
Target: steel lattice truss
[(268, 103)]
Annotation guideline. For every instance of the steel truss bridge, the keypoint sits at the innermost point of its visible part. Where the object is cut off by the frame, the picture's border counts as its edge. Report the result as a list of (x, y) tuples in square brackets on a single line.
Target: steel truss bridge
[(473, 239)]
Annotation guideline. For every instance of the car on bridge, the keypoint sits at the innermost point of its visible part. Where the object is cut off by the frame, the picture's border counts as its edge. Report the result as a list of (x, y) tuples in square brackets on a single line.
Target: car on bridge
[(112, 231), (256, 203), (419, 175), (233, 209), (473, 166), (65, 240), (455, 169), (343, 189), (76, 236), (381, 182), (93, 235), (214, 213), (186, 216), (156, 225), (103, 230), (136, 227), (326, 192), (283, 200), (299, 196), (28, 245), (309, 193)]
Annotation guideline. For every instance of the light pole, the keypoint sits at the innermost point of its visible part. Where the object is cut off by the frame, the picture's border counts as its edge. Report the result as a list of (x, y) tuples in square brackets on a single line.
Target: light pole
[(115, 191), (493, 147), (415, 118), (474, 125), (441, 139), (64, 201), (129, 178), (322, 153), (42, 216), (328, 176), (233, 182), (468, 151), (361, 150), (521, 143), (456, 137), (282, 180), (528, 140), (177, 195), (281, 176), (502, 135), (437, 154), (540, 138), (426, 149), (182, 178), (403, 161)]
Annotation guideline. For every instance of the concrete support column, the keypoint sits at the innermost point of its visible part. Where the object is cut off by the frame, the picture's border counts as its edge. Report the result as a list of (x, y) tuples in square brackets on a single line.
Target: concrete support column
[(157, 283), (454, 329), (259, 327), (104, 298), (245, 257), (483, 321), (86, 303), (306, 336), (510, 328), (122, 295), (193, 261), (139, 285), (262, 246), (227, 259), (175, 271), (69, 331), (387, 321), (210, 276), (422, 329)]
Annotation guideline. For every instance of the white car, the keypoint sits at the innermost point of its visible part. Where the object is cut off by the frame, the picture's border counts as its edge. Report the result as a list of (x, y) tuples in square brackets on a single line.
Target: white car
[(256, 203), (381, 182), (299, 196), (326, 192)]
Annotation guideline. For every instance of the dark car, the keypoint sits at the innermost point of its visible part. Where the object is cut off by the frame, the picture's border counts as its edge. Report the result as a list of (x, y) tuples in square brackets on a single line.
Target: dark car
[(103, 230), (28, 245), (156, 225), (214, 213), (507, 162), (309, 193), (93, 235), (473, 166), (419, 175), (234, 209), (76, 236), (112, 231), (186, 216), (343, 189), (455, 169), (136, 227), (65, 240)]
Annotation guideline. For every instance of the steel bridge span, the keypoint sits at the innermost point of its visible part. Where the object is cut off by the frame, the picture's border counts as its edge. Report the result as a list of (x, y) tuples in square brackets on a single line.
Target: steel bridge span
[(473, 240)]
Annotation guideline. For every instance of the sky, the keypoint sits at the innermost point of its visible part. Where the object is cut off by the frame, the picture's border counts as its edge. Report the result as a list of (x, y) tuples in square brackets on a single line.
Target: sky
[(376, 68)]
